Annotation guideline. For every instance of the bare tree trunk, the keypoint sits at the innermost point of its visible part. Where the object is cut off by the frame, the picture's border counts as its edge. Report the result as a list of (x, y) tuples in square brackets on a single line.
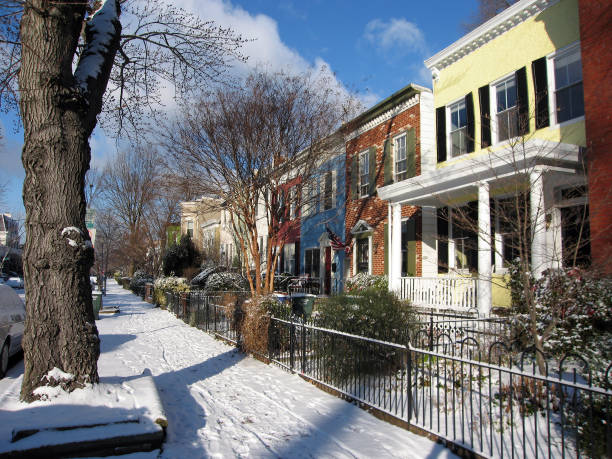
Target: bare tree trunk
[(58, 119)]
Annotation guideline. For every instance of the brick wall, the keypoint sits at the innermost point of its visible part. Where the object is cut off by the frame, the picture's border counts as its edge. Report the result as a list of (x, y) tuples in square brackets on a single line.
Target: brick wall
[(373, 210), (596, 44)]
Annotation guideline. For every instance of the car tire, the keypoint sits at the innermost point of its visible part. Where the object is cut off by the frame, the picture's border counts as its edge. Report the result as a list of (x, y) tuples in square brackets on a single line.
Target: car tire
[(4, 359)]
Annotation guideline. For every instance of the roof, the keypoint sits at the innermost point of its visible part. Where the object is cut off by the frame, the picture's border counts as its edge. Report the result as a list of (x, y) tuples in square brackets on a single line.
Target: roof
[(404, 94)]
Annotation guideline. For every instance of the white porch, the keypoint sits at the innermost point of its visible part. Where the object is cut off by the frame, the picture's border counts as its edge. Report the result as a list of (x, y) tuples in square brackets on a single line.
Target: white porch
[(541, 172), (455, 293)]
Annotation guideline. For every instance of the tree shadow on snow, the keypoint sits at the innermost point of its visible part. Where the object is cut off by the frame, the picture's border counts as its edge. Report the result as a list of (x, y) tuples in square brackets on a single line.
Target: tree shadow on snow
[(184, 412)]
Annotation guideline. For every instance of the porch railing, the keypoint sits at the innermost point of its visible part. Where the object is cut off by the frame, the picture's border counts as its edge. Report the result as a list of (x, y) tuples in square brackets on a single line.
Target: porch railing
[(457, 293)]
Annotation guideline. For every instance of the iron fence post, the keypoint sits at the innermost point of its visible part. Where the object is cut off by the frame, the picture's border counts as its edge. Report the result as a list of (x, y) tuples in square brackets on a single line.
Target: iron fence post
[(409, 371), (431, 326), (291, 343), (303, 346)]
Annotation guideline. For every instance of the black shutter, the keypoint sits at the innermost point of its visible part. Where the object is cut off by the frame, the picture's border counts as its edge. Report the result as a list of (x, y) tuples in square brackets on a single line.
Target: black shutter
[(540, 82), (485, 117), (355, 177), (372, 171), (296, 258), (387, 163), (441, 133), (410, 153), (469, 108), (523, 104)]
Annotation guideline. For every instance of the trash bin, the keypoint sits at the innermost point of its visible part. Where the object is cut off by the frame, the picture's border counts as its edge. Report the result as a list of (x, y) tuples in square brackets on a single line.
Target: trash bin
[(301, 304), (97, 303)]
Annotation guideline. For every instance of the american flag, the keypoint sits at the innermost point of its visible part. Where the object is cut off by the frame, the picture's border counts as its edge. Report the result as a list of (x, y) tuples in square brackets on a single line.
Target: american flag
[(335, 241)]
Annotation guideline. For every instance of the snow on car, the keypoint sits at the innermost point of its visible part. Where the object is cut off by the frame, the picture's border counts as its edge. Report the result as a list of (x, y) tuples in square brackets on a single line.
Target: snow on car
[(12, 317)]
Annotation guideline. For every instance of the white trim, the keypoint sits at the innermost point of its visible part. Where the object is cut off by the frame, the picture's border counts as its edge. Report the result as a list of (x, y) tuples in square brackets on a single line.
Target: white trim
[(356, 226), (386, 116), (428, 133), (423, 190), (506, 20)]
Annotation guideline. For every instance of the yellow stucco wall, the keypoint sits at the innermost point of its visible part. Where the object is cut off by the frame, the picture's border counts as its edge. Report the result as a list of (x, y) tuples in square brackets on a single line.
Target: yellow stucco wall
[(538, 36), (500, 292)]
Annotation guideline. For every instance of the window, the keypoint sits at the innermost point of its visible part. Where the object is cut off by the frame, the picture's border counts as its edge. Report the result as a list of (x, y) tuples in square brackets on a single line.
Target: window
[(458, 132), (190, 228), (569, 101), (308, 206), (506, 109), (312, 262), (399, 147), (363, 255), (328, 190), (364, 173), (292, 203), (289, 256)]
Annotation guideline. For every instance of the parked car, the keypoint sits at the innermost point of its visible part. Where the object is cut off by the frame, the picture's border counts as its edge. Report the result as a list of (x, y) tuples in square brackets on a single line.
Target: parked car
[(12, 318), (15, 282)]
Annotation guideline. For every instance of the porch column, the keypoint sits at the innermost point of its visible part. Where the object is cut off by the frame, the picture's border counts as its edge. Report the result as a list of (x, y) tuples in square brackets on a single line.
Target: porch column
[(484, 250), (395, 256), (452, 257), (499, 241), (390, 248), (538, 222)]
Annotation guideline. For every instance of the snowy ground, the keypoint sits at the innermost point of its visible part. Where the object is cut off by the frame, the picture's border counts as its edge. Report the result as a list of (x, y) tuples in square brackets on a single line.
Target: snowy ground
[(220, 403)]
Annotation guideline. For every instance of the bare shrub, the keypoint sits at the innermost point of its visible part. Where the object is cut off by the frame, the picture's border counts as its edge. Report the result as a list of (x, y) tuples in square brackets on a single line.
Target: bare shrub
[(256, 325)]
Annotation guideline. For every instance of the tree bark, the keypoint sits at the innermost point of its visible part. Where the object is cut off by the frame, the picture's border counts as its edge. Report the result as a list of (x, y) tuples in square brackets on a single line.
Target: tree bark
[(58, 117)]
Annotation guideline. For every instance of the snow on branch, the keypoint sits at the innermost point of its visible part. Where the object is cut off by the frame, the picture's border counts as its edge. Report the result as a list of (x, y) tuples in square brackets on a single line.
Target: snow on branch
[(101, 30)]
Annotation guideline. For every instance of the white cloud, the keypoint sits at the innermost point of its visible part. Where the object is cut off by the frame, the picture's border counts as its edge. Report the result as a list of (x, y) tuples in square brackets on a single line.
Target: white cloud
[(266, 49), (399, 35)]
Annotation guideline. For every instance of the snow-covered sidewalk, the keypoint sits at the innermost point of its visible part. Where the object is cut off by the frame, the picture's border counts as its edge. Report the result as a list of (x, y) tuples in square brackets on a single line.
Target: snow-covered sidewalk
[(220, 403)]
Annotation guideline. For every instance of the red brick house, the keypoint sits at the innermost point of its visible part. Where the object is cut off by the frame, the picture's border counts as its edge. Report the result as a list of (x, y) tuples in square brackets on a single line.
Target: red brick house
[(596, 47), (384, 145)]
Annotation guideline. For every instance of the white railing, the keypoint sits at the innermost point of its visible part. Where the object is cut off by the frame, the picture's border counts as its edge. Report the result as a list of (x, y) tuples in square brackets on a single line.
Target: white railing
[(440, 292)]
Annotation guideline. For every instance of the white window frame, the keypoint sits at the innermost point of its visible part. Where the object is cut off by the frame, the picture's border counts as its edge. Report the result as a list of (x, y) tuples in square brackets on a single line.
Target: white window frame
[(495, 113), (369, 238), (552, 84), (366, 155), (292, 203), (289, 258), (449, 136), (190, 226), (396, 172), (493, 107), (307, 205)]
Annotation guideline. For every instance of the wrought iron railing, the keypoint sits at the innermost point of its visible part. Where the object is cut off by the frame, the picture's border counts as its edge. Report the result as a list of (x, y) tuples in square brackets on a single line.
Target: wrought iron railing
[(459, 379)]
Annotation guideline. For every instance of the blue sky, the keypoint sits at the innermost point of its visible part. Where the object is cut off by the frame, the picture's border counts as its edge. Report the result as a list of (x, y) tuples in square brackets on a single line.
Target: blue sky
[(373, 48)]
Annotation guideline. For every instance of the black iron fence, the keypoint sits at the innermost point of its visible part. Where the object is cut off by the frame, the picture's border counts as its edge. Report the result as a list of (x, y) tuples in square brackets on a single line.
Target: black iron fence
[(459, 386), (438, 331)]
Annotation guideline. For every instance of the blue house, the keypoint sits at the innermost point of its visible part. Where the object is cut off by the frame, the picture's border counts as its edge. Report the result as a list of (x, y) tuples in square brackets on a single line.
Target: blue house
[(324, 207)]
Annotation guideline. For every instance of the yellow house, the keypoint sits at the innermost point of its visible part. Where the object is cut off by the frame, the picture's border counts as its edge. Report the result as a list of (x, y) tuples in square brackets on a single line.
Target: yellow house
[(206, 222), (506, 178)]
